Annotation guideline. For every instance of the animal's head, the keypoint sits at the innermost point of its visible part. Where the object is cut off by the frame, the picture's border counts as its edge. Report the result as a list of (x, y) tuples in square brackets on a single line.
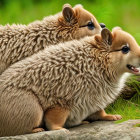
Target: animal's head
[(122, 48), (79, 22)]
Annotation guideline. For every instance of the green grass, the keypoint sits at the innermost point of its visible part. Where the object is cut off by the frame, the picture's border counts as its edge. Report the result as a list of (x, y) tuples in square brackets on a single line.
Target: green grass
[(128, 109), (125, 14), (137, 125)]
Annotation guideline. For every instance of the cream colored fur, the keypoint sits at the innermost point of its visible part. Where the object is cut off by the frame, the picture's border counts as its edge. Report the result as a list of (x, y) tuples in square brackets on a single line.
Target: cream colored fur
[(20, 41), (81, 77)]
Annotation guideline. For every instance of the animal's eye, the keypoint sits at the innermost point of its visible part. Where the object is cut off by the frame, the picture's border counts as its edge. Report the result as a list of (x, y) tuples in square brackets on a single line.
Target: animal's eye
[(90, 25), (125, 49)]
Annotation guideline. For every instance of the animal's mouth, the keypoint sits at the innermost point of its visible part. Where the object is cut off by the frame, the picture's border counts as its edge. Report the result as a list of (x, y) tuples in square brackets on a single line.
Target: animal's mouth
[(133, 69)]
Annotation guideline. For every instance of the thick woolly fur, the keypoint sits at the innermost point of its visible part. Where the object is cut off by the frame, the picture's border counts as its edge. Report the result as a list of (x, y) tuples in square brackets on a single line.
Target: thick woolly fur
[(20, 41), (76, 79)]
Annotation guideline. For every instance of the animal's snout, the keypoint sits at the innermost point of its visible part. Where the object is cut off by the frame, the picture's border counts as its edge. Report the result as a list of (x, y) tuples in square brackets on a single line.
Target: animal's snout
[(102, 25)]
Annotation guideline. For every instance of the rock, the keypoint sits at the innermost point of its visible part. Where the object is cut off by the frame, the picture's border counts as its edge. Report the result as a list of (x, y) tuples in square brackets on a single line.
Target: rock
[(99, 130), (107, 130)]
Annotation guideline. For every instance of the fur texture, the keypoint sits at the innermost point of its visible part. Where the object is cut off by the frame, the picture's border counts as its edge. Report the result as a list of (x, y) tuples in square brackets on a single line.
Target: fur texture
[(76, 79), (20, 41)]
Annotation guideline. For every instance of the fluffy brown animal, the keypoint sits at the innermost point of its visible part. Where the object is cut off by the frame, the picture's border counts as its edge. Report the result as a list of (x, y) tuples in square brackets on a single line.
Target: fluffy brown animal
[(66, 84), (20, 41)]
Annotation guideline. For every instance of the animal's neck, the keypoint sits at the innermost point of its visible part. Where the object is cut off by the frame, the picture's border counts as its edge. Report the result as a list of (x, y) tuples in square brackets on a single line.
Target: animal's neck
[(120, 80), (108, 73), (116, 84), (49, 31)]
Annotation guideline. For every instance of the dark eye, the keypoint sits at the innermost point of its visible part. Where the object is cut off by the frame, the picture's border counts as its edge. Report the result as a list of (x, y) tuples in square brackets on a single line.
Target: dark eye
[(125, 49), (102, 25), (90, 25)]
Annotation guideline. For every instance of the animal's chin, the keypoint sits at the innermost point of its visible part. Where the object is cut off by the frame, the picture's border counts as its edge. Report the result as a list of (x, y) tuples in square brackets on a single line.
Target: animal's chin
[(133, 69)]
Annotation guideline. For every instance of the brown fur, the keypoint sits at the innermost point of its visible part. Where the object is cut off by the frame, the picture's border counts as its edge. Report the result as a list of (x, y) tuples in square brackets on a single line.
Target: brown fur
[(20, 41), (78, 79), (101, 115), (54, 123)]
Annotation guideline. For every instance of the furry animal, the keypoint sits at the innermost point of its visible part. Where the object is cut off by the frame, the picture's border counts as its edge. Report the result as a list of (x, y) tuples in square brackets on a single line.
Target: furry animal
[(66, 84), (20, 41)]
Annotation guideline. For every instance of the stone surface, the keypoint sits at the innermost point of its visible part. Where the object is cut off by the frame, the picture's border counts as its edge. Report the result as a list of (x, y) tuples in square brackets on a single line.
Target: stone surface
[(99, 130)]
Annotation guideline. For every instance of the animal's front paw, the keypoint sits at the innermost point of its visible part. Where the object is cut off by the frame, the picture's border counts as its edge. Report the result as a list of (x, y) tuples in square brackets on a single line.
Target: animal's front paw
[(112, 117), (37, 130), (85, 122), (61, 128), (65, 130)]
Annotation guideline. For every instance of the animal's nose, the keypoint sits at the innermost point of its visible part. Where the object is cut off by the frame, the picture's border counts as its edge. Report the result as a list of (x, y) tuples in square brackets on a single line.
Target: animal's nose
[(102, 25)]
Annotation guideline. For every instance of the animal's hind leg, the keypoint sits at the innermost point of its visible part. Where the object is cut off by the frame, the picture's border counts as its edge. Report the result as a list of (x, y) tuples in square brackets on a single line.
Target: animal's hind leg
[(19, 114), (55, 118), (102, 115)]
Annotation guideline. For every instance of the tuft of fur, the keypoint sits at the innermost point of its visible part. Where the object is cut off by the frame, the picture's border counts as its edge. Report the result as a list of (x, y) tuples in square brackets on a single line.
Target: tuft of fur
[(76, 79), (20, 41)]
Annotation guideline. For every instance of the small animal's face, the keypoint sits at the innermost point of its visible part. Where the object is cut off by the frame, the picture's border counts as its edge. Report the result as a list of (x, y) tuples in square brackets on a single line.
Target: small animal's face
[(123, 49), (79, 22)]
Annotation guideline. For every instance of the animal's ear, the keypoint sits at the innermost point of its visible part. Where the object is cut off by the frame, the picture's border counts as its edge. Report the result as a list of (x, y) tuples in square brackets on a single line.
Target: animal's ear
[(78, 6), (68, 12), (116, 28), (106, 36)]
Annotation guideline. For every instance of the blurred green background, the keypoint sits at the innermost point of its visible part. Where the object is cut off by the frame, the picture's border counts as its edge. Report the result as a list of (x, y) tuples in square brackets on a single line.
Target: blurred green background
[(123, 13)]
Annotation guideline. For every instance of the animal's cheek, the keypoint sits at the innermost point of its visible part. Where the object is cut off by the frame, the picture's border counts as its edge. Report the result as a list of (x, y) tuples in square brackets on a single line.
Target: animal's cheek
[(116, 57), (84, 31), (133, 59), (128, 57)]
